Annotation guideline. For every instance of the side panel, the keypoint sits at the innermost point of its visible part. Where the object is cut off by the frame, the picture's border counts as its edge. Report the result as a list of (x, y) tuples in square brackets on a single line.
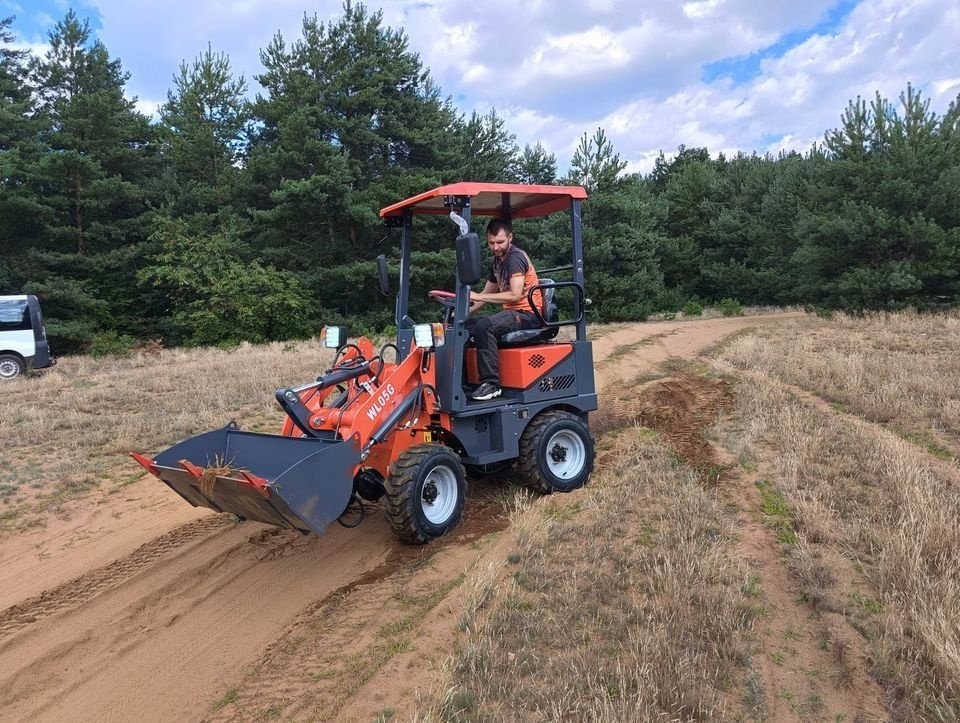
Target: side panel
[(20, 342), (490, 431), (16, 327), (520, 367), (494, 436)]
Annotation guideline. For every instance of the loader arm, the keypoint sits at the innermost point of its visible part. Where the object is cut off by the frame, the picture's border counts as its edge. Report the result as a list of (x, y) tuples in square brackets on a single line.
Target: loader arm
[(304, 477)]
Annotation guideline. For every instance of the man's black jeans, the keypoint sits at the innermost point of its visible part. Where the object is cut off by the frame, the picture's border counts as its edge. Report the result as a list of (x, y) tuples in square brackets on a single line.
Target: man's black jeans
[(487, 329)]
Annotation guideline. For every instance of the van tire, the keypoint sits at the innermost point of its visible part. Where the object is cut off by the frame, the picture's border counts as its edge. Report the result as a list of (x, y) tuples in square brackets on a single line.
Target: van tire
[(11, 366)]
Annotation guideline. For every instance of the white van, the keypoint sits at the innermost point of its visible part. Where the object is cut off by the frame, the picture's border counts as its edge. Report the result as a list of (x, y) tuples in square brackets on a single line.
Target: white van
[(23, 338)]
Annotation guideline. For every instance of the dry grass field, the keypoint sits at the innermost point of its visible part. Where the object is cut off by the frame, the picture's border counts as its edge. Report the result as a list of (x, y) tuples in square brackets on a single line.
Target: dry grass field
[(66, 433), (808, 572), (771, 533)]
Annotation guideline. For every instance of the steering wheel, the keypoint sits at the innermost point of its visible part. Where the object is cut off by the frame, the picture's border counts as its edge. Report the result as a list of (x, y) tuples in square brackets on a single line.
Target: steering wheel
[(446, 299)]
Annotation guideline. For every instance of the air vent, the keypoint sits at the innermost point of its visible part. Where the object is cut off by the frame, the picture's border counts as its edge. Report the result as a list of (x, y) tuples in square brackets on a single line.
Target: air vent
[(537, 361), (554, 384), (480, 426)]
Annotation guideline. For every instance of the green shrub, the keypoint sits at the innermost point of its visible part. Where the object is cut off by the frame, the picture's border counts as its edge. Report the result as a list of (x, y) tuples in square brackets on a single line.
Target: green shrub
[(730, 307), (110, 343), (692, 308)]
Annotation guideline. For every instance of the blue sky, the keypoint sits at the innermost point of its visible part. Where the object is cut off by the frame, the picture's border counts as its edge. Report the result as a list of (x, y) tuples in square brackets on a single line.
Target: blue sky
[(727, 74)]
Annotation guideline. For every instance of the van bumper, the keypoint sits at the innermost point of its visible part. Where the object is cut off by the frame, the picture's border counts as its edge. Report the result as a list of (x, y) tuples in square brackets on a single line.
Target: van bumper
[(42, 358)]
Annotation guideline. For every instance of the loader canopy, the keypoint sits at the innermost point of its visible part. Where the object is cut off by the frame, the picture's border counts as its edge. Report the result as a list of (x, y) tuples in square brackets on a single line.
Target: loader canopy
[(489, 199)]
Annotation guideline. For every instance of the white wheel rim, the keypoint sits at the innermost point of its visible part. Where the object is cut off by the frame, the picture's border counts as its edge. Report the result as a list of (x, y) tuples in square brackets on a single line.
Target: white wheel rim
[(9, 369), (566, 454), (438, 495)]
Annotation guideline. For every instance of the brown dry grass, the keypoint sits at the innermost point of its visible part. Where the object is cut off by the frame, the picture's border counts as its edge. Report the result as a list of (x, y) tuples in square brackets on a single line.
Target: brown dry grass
[(877, 516), (895, 369), (67, 432), (623, 602)]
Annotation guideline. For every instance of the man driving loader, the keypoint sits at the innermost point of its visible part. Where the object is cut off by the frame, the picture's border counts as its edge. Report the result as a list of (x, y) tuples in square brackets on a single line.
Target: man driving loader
[(511, 278)]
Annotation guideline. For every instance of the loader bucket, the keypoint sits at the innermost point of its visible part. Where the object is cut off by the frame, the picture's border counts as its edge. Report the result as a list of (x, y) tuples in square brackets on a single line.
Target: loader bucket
[(303, 483)]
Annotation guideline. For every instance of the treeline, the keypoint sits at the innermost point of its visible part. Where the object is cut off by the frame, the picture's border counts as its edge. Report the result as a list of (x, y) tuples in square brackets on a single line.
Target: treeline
[(232, 219)]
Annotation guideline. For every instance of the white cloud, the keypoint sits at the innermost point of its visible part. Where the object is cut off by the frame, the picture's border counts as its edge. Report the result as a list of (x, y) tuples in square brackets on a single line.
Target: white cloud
[(476, 74), (149, 107), (880, 47), (596, 50), (38, 48), (635, 69), (700, 9), (943, 87)]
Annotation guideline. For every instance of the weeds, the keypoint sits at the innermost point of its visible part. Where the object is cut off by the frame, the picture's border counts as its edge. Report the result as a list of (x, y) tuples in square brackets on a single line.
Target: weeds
[(775, 507)]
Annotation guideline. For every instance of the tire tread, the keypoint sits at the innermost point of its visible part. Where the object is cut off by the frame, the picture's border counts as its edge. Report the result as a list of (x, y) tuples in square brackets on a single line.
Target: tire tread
[(399, 486), (527, 464)]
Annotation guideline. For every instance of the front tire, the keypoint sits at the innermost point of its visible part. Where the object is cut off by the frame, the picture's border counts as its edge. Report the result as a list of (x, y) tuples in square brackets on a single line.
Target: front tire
[(11, 366), (556, 452), (426, 492)]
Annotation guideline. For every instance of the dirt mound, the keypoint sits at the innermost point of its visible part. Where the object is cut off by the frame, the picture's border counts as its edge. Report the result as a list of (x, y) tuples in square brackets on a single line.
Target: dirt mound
[(680, 408)]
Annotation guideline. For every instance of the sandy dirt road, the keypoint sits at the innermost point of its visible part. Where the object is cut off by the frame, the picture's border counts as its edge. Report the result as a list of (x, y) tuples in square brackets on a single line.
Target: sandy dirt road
[(141, 607)]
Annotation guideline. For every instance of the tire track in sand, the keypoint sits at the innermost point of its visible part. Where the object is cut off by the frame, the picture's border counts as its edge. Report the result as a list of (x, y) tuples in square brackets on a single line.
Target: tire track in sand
[(78, 591)]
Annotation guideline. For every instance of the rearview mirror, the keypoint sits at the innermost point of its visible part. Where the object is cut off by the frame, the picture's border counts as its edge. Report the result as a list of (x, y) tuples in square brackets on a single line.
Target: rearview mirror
[(468, 259), (382, 273)]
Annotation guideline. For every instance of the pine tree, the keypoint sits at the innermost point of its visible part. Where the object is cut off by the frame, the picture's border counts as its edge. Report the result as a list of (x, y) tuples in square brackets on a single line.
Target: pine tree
[(351, 122), (594, 165), (537, 166), (20, 212), (93, 181), (874, 240), (489, 150), (205, 115)]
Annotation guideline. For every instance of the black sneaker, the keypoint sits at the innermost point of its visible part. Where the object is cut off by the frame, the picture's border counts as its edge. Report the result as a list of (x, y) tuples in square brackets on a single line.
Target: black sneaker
[(487, 390)]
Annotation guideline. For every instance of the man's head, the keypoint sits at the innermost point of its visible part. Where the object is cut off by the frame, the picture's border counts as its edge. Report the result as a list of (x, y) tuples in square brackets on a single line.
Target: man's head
[(499, 237)]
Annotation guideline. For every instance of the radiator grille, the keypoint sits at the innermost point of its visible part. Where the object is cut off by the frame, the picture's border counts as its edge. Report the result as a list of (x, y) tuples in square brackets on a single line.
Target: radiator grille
[(553, 384), (537, 361)]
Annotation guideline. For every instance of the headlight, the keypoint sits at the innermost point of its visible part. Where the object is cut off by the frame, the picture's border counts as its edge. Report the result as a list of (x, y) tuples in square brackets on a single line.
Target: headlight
[(333, 337), (428, 335)]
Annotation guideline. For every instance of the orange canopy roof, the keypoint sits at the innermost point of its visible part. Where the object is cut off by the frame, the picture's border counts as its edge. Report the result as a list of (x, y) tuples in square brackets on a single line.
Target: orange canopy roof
[(486, 199)]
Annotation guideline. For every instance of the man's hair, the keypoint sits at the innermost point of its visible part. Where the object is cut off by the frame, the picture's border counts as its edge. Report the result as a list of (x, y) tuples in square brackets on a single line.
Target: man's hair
[(497, 225)]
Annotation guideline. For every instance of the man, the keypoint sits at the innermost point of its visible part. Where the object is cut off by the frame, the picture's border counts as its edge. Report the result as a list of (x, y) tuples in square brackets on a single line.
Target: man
[(511, 278)]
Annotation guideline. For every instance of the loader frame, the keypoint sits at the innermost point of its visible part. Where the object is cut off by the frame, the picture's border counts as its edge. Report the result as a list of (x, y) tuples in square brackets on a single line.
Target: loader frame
[(489, 432), (403, 429)]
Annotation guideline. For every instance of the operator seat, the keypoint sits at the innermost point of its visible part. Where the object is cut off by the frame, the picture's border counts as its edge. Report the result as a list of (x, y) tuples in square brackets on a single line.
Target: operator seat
[(528, 337)]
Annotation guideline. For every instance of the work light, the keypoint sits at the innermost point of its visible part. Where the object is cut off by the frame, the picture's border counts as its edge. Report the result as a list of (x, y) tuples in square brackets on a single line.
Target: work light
[(333, 337), (428, 335)]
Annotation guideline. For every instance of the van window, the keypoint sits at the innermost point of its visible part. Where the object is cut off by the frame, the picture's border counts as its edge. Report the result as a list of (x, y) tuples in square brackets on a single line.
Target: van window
[(14, 315)]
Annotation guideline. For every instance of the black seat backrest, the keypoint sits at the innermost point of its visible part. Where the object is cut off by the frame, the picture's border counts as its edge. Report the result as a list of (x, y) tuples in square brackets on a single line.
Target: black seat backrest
[(525, 337), (550, 311)]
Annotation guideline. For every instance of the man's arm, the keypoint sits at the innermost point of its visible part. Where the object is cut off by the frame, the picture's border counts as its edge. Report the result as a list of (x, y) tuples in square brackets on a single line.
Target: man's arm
[(475, 303), (491, 296)]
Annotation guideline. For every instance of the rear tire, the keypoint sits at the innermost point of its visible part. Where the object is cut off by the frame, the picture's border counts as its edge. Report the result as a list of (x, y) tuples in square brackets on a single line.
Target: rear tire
[(426, 491), (556, 452), (11, 366)]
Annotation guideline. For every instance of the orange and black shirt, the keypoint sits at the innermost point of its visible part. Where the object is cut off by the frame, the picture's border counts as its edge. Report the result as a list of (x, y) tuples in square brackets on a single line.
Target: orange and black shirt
[(516, 263)]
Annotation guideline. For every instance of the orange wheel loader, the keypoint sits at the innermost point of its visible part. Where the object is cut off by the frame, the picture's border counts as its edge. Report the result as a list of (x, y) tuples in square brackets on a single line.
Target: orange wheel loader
[(396, 424)]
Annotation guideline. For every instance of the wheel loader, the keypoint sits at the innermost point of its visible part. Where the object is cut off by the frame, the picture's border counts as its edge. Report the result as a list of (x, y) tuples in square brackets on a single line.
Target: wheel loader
[(396, 425)]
